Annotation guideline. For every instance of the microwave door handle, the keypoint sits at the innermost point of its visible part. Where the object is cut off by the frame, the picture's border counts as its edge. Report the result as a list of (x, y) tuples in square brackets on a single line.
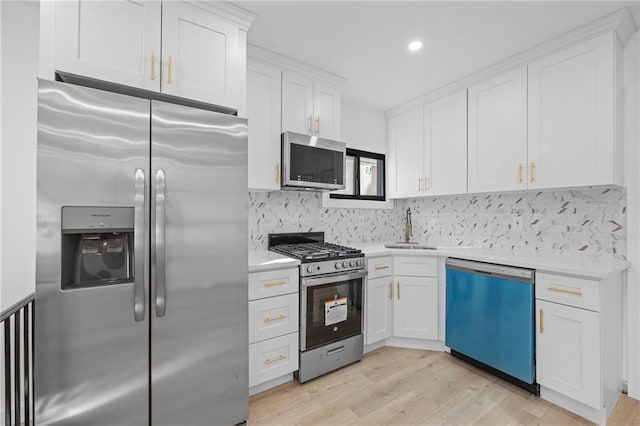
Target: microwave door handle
[(335, 278), (160, 249), (140, 277)]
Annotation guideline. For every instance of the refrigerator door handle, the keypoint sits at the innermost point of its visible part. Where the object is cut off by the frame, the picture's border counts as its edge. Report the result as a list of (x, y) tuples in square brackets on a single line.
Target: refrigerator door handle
[(138, 245), (160, 244)]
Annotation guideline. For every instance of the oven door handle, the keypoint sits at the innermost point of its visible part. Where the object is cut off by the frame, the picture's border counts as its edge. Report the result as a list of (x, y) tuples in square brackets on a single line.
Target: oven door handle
[(333, 278)]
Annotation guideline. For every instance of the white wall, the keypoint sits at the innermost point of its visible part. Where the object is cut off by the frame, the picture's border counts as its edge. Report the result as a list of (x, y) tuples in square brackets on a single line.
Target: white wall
[(364, 128), (632, 141), (18, 85)]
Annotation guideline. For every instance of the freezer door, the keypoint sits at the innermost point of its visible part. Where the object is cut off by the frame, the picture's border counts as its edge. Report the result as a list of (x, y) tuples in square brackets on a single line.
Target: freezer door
[(91, 325), (199, 323)]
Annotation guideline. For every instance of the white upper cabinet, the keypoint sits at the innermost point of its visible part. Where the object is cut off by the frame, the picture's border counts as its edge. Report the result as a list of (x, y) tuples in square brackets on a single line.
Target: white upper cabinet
[(263, 112), (498, 133), (445, 145), (116, 41), (199, 55), (310, 106), (572, 117), (178, 48), (406, 153)]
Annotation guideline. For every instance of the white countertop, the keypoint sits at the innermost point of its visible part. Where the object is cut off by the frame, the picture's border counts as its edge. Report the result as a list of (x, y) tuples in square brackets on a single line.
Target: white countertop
[(265, 260), (588, 268)]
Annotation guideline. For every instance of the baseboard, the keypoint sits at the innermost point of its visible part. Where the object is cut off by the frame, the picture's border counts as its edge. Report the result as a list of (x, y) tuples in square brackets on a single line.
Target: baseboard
[(374, 346), (403, 342), (270, 384), (597, 416)]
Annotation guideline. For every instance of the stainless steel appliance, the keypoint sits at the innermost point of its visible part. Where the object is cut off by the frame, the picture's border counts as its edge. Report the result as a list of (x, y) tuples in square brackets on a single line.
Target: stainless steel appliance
[(141, 292), (312, 162), (490, 319), (331, 301)]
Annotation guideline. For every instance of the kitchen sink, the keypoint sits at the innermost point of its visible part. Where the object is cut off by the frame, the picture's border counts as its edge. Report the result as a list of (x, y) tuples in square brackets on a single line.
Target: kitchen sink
[(410, 245)]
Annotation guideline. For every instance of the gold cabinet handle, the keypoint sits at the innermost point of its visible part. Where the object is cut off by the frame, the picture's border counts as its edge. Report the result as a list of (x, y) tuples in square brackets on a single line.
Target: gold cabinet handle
[(426, 183), (275, 318), (541, 321), (520, 169), (390, 291), (562, 290), (276, 359), (275, 283), (398, 290), (379, 267), (310, 124), (153, 64), (419, 184), (532, 168), (317, 125), (277, 172), (169, 70)]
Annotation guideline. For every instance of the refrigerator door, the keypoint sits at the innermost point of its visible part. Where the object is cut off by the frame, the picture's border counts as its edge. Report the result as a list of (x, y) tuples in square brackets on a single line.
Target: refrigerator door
[(92, 338), (199, 300)]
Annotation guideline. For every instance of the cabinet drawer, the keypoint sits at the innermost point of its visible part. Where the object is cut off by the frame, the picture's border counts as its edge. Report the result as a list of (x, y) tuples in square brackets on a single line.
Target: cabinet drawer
[(273, 317), (415, 266), (273, 283), (273, 358), (577, 292), (379, 267)]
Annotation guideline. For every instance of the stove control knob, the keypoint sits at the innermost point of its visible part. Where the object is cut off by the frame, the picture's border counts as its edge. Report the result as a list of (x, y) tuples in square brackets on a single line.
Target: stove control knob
[(359, 262), (338, 266), (310, 268), (352, 263), (345, 264)]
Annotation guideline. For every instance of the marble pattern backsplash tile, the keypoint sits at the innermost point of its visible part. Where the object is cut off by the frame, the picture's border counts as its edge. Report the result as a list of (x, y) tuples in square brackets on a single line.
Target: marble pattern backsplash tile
[(589, 222)]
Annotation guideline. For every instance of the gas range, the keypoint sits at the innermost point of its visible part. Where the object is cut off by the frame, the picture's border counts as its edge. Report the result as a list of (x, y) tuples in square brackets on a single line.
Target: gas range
[(317, 257)]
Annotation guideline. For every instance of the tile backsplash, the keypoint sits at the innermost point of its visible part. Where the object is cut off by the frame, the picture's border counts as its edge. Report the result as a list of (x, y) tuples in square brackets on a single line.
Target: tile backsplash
[(586, 222)]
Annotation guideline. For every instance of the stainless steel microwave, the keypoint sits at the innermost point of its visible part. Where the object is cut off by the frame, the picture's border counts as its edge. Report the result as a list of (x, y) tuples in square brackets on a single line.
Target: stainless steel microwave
[(311, 162)]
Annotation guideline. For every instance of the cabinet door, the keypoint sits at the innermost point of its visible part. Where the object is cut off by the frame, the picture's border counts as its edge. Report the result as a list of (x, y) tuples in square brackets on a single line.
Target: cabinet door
[(445, 145), (379, 309), (498, 133), (572, 116), (113, 41), (568, 351), (263, 110), (297, 103), (405, 147), (327, 110), (199, 56), (416, 307)]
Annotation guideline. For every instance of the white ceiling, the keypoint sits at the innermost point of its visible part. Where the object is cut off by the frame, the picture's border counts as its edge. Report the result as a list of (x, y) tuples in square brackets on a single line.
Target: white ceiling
[(366, 42)]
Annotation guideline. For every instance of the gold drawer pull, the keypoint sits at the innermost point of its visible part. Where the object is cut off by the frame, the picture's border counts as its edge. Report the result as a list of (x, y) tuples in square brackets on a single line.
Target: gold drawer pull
[(562, 290), (520, 173), (541, 321), (398, 290), (532, 168), (278, 173), (276, 359), (169, 71), (275, 283), (381, 267), (153, 64), (276, 318), (390, 291)]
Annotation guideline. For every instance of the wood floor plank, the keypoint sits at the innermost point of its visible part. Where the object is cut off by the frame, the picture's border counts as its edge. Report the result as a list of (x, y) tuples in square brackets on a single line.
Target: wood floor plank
[(396, 386)]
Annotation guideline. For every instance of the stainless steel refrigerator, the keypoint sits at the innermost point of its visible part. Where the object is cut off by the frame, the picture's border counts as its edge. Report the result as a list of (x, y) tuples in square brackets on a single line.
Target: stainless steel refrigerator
[(141, 282)]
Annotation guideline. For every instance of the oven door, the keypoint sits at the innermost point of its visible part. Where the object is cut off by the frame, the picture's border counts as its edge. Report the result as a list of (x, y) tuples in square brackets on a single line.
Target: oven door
[(331, 308)]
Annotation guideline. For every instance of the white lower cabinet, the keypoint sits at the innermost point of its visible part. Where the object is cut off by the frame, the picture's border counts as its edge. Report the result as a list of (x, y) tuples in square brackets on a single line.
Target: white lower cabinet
[(416, 307), (273, 325), (379, 308), (273, 358), (568, 358), (578, 343)]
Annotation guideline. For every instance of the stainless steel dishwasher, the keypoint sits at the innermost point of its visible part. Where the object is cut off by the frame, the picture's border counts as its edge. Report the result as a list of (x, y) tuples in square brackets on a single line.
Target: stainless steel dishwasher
[(490, 319)]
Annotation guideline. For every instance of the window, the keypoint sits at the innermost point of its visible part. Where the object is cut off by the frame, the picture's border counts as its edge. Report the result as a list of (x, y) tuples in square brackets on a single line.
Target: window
[(364, 177)]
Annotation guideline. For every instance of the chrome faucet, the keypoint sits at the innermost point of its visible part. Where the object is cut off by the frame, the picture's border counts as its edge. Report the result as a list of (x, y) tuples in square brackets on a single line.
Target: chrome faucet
[(408, 229)]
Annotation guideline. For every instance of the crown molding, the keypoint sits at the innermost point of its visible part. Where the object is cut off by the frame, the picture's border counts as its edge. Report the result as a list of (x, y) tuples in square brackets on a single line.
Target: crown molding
[(259, 54), (621, 22), (229, 11)]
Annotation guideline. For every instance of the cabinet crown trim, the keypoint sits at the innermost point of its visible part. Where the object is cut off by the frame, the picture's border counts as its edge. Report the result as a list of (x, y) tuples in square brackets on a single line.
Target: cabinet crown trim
[(269, 57), (231, 12), (621, 22)]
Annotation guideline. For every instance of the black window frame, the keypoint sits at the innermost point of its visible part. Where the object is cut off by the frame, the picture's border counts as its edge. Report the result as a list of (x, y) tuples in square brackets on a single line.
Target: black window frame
[(356, 153)]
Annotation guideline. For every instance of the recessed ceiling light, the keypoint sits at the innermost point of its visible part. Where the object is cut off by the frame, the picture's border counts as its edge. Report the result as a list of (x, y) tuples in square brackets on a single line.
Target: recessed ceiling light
[(415, 45)]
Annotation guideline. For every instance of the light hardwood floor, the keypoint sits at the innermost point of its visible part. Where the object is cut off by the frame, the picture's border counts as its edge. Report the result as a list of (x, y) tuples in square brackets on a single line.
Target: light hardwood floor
[(409, 386)]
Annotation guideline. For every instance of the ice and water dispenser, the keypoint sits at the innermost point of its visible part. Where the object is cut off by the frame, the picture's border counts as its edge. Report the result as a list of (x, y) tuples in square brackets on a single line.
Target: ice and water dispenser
[(97, 246)]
